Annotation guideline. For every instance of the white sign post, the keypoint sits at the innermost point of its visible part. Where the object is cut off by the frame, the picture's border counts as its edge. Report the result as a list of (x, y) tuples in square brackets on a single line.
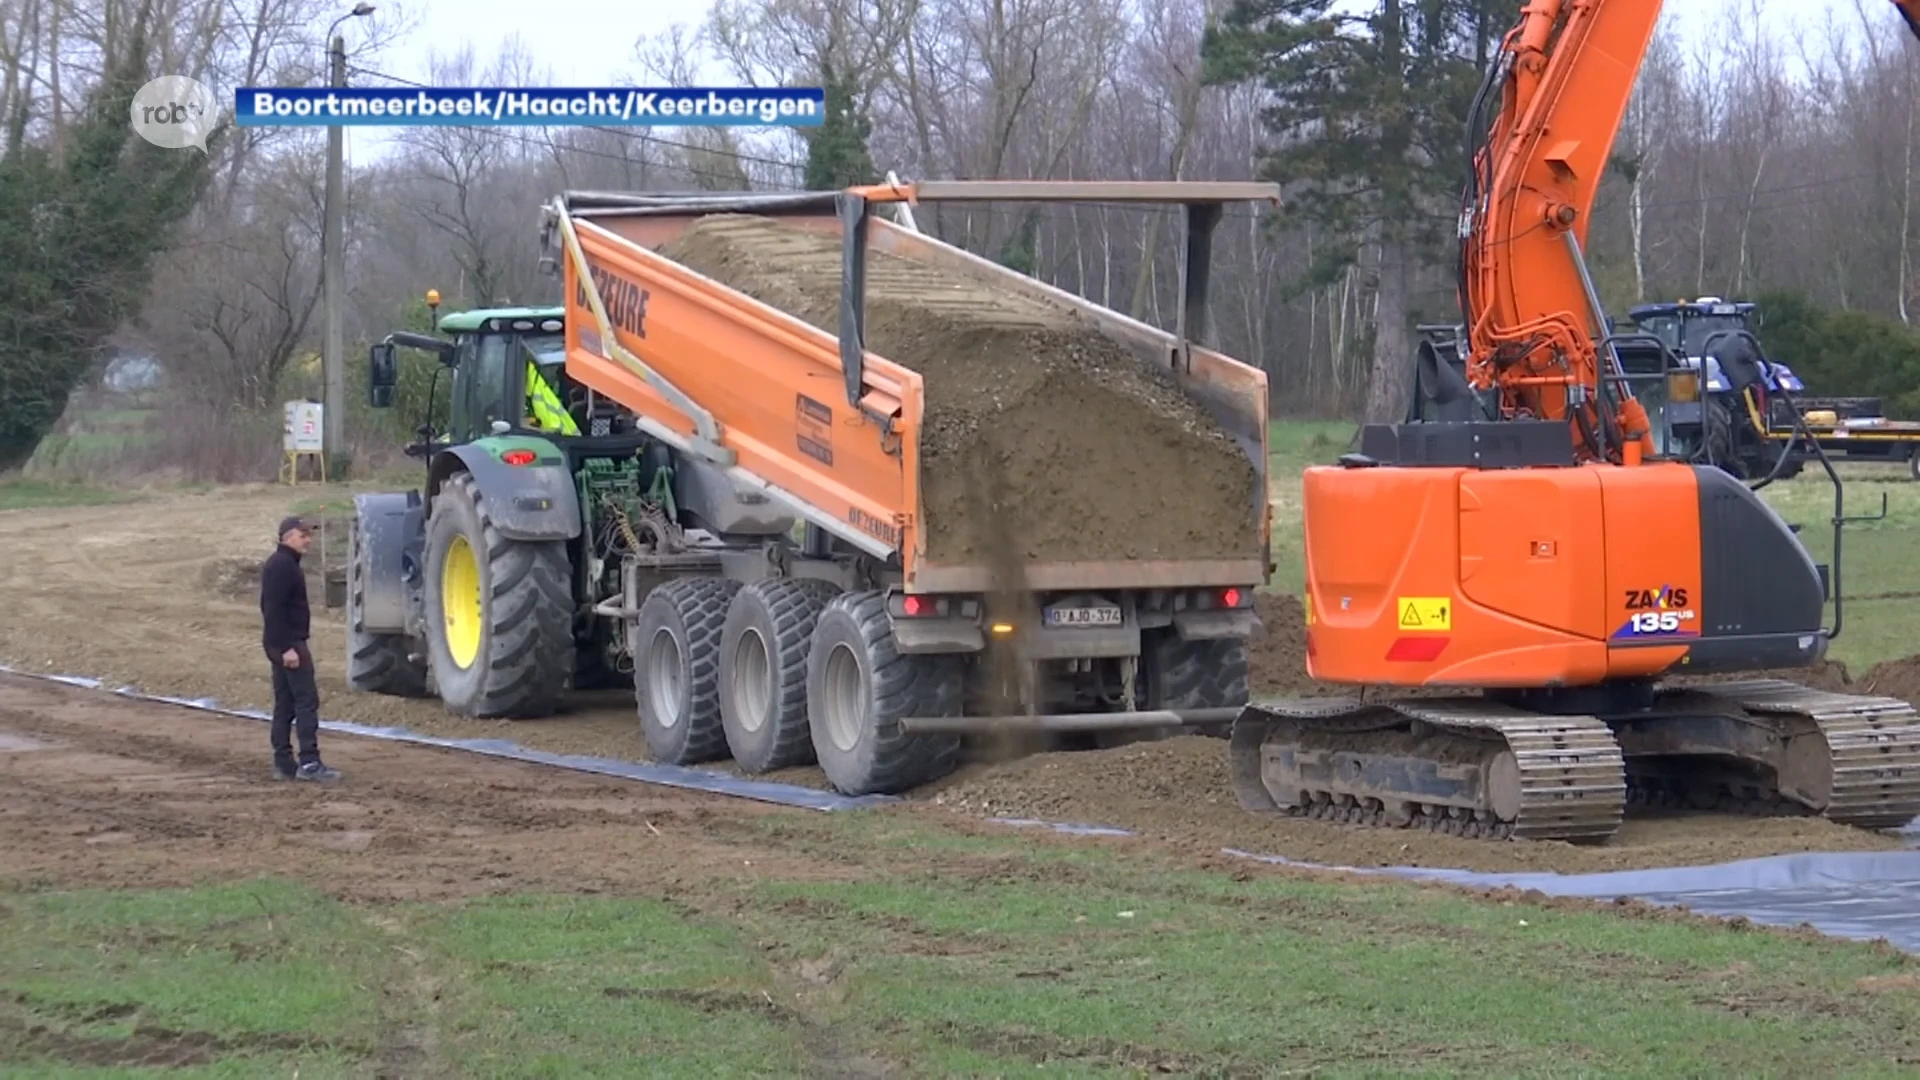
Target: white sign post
[(303, 436)]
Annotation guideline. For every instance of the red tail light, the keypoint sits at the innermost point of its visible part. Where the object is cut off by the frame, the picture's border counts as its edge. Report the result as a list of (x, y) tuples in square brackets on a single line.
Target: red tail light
[(518, 457), (913, 605), (1231, 598)]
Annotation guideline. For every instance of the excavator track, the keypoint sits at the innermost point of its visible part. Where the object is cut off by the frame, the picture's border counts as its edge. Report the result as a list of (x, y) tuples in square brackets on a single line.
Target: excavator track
[(1465, 766), (1850, 758), (1475, 767)]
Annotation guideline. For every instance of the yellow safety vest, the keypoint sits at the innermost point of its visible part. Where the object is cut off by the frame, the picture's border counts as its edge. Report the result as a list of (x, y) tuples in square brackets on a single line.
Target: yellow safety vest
[(549, 414)]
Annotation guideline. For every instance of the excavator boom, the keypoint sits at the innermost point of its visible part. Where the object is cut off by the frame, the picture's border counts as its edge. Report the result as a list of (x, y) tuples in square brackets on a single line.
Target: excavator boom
[(1540, 564), (1557, 95)]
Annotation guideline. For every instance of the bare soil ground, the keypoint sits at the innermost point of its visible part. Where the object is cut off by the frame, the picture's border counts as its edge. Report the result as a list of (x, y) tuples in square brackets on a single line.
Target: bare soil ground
[(128, 594), (1038, 426), (98, 791)]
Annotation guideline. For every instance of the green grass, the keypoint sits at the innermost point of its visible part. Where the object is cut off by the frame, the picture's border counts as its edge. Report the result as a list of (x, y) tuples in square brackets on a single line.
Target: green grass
[(233, 981), (18, 494), (987, 956)]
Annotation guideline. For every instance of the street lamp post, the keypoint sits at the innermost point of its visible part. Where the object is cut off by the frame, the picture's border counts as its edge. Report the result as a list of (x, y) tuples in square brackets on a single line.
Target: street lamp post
[(333, 263)]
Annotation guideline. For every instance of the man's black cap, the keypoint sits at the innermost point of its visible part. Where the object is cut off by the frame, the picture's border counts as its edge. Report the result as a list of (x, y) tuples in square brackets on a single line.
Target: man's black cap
[(289, 524)]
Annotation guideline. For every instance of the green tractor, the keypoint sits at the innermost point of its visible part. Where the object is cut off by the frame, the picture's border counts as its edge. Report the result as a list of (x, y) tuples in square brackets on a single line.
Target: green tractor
[(482, 592)]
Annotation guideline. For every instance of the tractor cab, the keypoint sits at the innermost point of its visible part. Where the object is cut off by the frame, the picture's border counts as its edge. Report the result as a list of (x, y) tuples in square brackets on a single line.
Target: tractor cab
[(494, 356), (1690, 328), (1722, 413)]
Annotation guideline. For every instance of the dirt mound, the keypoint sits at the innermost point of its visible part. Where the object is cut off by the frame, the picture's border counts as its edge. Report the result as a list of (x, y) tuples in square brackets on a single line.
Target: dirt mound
[(1277, 654), (1892, 678), (1037, 424)]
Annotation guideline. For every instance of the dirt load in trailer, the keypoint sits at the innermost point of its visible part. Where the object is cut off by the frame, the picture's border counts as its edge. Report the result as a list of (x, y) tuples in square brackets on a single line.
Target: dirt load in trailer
[(1041, 433), (951, 499)]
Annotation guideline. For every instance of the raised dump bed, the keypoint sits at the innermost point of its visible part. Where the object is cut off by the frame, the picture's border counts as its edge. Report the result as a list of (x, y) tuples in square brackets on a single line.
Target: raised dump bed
[(985, 501)]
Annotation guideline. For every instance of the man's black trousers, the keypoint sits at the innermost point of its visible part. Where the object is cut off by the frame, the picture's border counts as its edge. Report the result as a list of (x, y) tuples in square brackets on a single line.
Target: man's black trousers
[(296, 710)]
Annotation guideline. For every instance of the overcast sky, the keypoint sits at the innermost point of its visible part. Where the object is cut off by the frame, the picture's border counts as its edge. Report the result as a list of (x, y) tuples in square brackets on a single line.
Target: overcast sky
[(590, 42)]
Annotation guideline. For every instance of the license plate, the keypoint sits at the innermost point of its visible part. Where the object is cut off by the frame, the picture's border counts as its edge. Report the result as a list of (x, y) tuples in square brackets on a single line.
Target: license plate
[(1084, 616)]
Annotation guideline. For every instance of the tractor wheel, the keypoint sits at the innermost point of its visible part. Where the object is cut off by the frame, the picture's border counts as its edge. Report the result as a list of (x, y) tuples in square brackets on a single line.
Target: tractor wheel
[(500, 611), (1720, 442), (763, 671), (1205, 674), (676, 669), (376, 663), (858, 689)]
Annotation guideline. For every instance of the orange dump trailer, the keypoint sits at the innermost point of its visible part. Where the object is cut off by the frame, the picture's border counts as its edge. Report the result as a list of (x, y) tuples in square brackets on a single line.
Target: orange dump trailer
[(799, 600)]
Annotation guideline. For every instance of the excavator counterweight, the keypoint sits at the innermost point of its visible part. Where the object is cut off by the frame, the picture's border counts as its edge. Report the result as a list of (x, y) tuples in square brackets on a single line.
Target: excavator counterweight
[(1560, 596)]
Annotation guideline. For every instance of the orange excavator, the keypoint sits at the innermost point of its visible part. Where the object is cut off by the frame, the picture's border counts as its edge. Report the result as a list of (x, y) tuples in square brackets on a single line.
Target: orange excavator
[(1560, 608)]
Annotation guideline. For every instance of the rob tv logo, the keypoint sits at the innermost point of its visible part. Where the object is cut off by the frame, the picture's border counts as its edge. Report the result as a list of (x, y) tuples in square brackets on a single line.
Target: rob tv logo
[(175, 112)]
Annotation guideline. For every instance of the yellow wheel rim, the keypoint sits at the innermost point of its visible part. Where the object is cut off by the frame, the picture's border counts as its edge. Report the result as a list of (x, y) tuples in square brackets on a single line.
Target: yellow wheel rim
[(460, 601)]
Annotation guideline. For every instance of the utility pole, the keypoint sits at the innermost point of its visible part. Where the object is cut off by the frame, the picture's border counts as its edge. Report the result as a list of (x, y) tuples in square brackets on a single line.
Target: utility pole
[(334, 266)]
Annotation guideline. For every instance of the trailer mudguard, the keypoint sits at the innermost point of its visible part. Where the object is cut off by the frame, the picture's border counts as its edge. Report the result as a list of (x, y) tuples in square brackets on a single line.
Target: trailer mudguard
[(532, 501), (391, 525)]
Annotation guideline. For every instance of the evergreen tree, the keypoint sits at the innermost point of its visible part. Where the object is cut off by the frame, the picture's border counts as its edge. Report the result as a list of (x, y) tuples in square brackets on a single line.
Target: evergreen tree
[(78, 237), (837, 152), (1367, 115)]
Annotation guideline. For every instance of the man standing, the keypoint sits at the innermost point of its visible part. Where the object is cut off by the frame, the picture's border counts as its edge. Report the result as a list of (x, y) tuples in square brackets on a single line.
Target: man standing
[(285, 620)]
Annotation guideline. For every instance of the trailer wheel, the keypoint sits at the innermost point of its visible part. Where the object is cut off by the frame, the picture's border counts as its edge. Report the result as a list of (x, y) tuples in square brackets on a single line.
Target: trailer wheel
[(858, 689), (500, 611), (376, 663), (676, 669), (763, 671), (1210, 673), (1913, 462)]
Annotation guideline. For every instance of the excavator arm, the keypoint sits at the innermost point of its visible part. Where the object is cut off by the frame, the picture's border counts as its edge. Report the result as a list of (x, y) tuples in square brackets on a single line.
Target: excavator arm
[(1544, 124)]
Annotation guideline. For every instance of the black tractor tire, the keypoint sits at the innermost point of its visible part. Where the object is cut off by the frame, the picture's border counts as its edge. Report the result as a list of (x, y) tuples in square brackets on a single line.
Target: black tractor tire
[(859, 686), (376, 663), (763, 671), (676, 669), (1210, 673), (1721, 443), (523, 660)]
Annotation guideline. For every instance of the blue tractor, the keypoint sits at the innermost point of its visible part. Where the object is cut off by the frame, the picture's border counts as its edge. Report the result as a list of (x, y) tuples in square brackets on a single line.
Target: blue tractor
[(1739, 420), (1740, 412)]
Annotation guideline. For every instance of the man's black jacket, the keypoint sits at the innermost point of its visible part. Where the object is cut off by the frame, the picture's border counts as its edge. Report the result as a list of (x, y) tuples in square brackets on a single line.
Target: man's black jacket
[(283, 601)]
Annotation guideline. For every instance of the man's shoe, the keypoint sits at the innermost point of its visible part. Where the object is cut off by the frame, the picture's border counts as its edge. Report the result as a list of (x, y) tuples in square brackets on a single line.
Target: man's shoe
[(314, 770), (282, 774)]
